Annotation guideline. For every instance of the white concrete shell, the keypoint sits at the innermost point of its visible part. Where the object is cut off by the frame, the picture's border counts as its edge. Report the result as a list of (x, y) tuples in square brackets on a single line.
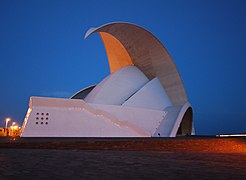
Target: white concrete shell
[(142, 97), (118, 86), (127, 43), (151, 96)]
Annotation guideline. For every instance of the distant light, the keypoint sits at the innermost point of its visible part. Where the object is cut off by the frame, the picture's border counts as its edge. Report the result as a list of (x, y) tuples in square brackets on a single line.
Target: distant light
[(7, 120), (230, 135)]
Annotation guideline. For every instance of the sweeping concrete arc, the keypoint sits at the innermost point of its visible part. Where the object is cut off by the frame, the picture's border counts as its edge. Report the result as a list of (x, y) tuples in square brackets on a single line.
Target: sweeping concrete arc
[(128, 44)]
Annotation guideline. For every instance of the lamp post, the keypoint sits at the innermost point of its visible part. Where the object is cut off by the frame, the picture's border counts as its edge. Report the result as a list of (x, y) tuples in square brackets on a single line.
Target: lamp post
[(6, 127), (14, 129)]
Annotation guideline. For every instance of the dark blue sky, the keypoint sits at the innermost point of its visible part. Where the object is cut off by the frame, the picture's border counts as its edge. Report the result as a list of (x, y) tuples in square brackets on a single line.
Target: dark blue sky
[(43, 53)]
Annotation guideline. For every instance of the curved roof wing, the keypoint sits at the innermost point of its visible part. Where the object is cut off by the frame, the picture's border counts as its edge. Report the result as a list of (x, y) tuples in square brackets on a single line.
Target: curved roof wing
[(127, 43), (83, 92)]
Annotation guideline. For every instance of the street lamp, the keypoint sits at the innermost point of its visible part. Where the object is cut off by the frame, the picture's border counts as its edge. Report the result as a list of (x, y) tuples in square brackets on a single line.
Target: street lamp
[(6, 127), (7, 121)]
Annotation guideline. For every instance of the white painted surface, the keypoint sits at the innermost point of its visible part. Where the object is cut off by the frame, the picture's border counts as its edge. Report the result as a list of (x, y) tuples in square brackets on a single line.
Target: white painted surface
[(117, 87), (151, 96), (179, 118), (170, 124), (146, 119), (74, 118)]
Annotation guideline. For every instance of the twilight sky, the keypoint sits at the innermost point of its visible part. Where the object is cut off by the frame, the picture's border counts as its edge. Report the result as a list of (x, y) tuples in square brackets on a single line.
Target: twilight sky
[(43, 53)]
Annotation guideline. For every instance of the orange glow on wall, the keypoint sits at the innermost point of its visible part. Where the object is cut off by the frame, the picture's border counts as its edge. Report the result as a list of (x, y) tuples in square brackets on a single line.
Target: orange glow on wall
[(118, 57)]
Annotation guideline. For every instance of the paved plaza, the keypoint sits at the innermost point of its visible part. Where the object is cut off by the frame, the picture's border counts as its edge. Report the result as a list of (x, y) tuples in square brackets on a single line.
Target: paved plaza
[(81, 164)]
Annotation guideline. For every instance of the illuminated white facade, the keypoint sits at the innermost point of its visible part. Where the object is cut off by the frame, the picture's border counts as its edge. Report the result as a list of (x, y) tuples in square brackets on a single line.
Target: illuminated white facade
[(142, 97)]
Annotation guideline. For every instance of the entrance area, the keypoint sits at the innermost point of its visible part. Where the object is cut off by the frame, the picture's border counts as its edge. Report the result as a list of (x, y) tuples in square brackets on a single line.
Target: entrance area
[(185, 127)]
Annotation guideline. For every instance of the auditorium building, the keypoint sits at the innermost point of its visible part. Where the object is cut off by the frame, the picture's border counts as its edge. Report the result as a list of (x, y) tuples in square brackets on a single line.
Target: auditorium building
[(143, 96)]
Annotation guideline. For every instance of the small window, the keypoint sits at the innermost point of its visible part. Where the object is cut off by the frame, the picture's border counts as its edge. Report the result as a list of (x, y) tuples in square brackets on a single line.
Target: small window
[(42, 123), (47, 118), (37, 113), (47, 114), (37, 118), (36, 122), (46, 123), (42, 118), (42, 114)]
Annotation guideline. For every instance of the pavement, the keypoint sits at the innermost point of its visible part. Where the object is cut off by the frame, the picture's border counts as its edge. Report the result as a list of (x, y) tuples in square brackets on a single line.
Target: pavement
[(83, 164), (179, 144), (123, 158)]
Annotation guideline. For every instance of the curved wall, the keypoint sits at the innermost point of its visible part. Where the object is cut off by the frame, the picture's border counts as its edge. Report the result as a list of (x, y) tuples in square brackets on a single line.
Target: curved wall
[(146, 52), (118, 57), (151, 96), (178, 121), (116, 88)]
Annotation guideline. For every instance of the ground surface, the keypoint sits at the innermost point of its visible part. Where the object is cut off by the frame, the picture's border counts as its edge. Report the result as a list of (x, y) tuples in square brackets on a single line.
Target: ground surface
[(83, 164), (177, 144)]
